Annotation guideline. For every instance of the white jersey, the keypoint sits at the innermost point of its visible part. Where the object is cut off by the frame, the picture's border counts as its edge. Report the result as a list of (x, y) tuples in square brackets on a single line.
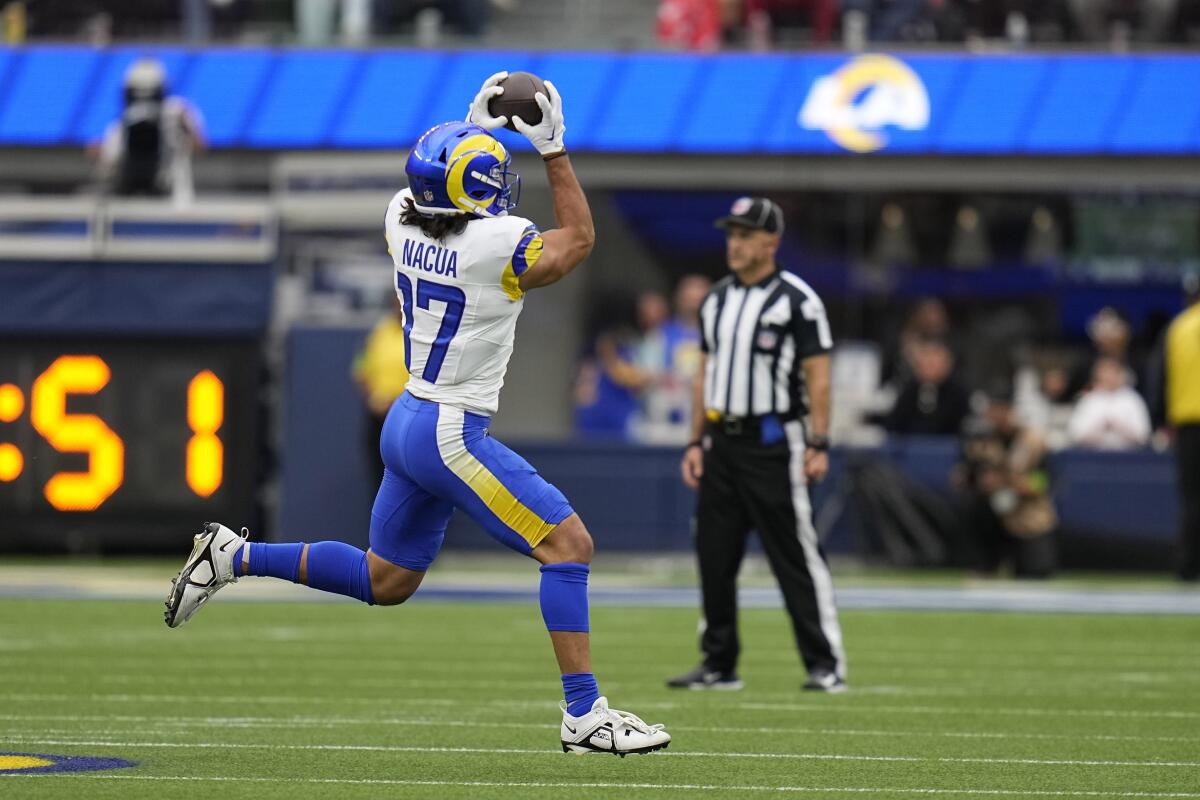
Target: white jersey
[(461, 301)]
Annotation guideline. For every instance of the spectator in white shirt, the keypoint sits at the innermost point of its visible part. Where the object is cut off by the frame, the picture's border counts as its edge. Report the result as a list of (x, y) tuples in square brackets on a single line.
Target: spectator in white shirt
[(1111, 415)]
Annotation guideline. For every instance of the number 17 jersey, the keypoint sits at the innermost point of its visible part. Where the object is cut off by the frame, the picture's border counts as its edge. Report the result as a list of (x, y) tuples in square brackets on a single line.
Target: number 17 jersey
[(461, 300)]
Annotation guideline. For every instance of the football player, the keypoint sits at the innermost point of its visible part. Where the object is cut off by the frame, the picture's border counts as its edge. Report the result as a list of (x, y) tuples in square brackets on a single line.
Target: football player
[(463, 263)]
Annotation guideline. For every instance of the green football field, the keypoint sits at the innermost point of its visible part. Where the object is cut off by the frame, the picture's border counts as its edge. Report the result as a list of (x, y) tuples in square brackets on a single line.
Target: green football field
[(458, 700)]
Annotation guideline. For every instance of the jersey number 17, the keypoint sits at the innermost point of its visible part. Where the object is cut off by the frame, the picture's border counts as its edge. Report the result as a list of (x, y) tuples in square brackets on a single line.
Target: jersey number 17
[(427, 292)]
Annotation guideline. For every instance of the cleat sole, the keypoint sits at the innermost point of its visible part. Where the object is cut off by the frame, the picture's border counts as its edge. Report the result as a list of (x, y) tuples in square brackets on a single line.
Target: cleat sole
[(583, 750)]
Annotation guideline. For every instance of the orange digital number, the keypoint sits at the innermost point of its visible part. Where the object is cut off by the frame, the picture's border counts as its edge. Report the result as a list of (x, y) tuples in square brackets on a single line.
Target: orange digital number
[(77, 433), (206, 414)]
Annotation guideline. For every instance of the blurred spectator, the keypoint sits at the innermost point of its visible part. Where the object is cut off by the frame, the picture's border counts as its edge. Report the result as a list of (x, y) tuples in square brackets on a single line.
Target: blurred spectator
[(1010, 511), (14, 22), (381, 374), (1043, 404), (1110, 415), (969, 246), (894, 244), (148, 150), (765, 18), (1183, 414), (623, 360), (428, 17), (879, 20), (1043, 242), (690, 24), (1111, 336), (1119, 21), (609, 382), (668, 357), (930, 402), (927, 320)]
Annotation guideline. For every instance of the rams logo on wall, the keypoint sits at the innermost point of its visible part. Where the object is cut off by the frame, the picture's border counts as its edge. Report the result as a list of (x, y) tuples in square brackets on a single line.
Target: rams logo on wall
[(32, 763), (857, 102)]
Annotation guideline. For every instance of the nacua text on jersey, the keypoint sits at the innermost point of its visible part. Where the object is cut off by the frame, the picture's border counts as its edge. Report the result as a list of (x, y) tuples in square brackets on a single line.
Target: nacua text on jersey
[(430, 258)]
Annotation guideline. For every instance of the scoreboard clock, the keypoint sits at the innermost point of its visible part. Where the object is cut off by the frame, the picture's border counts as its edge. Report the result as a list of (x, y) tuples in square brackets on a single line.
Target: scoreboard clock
[(118, 444)]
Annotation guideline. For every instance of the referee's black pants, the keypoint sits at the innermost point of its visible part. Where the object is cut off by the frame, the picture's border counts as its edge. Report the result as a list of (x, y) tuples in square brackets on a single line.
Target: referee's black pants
[(748, 485), (1187, 455)]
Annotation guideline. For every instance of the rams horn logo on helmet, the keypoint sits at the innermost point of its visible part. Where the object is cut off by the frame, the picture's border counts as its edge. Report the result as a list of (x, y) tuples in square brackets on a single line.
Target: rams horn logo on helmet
[(854, 104)]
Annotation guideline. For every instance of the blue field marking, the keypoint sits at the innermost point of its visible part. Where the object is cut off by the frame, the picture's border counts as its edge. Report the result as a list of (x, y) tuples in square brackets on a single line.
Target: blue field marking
[(33, 763)]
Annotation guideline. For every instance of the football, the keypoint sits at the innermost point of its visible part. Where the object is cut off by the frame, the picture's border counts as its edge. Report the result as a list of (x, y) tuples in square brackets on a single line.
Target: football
[(517, 100)]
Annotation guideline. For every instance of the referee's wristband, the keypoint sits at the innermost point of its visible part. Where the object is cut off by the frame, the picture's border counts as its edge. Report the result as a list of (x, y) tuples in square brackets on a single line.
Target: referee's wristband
[(817, 443), (693, 443)]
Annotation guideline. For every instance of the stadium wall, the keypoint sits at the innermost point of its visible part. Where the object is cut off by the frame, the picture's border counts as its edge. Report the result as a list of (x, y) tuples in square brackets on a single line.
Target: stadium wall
[(906, 104)]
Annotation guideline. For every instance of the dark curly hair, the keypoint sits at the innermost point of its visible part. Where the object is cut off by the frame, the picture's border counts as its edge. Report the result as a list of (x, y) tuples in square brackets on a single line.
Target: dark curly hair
[(437, 226)]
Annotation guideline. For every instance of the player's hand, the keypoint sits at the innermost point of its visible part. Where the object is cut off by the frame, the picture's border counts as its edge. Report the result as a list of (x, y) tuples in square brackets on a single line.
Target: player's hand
[(547, 136), (477, 112), (816, 465), (692, 466)]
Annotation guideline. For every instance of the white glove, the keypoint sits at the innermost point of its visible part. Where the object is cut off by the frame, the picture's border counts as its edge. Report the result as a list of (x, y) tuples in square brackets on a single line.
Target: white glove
[(477, 112), (547, 136)]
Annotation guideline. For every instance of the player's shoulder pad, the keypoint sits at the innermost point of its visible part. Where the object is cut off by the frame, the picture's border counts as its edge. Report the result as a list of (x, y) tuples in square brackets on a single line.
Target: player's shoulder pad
[(505, 233), (396, 204)]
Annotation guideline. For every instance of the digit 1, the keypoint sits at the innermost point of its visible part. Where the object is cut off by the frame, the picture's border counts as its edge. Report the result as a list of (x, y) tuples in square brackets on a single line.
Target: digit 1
[(206, 414), (77, 433)]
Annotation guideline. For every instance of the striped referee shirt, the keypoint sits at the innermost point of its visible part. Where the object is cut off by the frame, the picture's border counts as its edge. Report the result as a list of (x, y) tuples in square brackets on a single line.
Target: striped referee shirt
[(755, 338)]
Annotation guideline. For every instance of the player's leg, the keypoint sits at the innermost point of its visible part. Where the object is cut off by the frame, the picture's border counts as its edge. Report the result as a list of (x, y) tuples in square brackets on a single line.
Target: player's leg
[(566, 557), (780, 508), (721, 530), (407, 527), (520, 509)]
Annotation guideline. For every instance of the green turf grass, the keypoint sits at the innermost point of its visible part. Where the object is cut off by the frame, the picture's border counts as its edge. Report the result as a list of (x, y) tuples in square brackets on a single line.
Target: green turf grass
[(455, 700)]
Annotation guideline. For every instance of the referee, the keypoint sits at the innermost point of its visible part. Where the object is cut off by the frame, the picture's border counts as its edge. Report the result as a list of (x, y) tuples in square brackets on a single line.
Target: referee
[(765, 345), (1183, 414)]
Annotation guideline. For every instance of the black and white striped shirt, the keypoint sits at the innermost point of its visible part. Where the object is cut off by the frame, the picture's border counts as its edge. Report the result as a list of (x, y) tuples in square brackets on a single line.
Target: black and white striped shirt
[(755, 338)]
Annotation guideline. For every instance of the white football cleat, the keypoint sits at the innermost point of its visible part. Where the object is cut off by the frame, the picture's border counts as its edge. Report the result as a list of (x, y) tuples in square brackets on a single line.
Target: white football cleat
[(606, 730), (208, 568)]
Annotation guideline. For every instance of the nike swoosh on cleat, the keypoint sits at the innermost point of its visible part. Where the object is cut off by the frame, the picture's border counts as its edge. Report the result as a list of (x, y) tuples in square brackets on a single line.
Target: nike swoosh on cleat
[(225, 546), (572, 730)]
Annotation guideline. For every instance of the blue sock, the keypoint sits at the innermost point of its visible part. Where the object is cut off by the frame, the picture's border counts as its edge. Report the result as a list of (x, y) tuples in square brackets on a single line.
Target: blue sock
[(274, 560), (340, 568), (332, 566), (237, 562), (564, 597), (581, 691)]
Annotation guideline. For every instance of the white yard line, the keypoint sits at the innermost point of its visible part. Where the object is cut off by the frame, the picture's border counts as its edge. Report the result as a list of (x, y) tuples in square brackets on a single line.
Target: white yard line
[(531, 751), (338, 722), (839, 705), (820, 790), (1022, 712)]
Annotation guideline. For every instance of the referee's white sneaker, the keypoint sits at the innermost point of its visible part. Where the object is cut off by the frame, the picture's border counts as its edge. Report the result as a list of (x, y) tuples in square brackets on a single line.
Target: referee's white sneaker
[(207, 569), (606, 730)]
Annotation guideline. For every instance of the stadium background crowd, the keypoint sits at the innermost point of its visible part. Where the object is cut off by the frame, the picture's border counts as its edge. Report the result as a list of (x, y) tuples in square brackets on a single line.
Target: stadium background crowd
[(1037, 366), (686, 24)]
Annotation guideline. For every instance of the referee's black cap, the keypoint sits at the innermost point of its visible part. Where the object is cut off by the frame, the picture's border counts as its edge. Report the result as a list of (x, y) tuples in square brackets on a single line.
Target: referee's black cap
[(754, 212)]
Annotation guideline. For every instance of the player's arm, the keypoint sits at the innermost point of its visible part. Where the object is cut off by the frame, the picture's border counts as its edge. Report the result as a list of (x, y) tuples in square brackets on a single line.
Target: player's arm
[(566, 246), (570, 243)]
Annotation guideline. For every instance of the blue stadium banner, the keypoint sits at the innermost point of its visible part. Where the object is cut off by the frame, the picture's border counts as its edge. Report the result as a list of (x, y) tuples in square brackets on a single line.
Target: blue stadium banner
[(821, 104)]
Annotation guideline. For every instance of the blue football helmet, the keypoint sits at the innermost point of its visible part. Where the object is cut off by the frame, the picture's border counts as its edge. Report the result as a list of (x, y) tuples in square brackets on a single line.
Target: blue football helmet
[(458, 167)]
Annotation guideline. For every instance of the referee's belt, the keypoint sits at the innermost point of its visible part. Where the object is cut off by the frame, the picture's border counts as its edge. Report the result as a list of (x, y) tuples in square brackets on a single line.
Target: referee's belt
[(743, 426)]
